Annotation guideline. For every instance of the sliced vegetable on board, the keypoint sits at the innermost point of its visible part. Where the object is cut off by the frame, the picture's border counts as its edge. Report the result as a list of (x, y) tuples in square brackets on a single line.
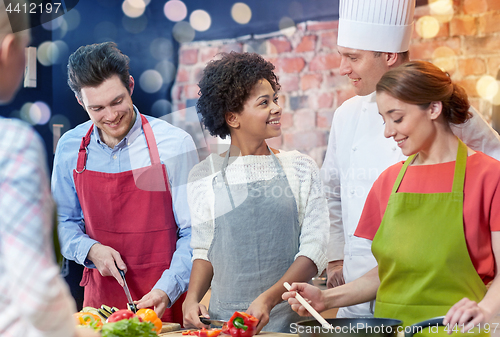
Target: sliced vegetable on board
[(203, 332)]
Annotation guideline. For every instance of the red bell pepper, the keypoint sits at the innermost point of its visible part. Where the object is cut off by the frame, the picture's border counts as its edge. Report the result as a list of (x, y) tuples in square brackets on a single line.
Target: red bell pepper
[(242, 324), (121, 314)]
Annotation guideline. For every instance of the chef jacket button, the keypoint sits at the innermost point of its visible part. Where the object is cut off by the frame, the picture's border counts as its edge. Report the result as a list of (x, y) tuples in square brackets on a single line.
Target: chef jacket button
[(394, 148), (354, 148), (352, 191)]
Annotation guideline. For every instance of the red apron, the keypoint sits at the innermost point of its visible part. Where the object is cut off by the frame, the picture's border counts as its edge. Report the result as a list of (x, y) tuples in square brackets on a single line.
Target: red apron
[(132, 213)]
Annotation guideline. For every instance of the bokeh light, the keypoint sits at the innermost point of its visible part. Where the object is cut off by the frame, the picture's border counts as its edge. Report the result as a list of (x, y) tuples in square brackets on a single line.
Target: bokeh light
[(72, 19), (39, 113), (442, 10), (135, 25), (161, 108), (51, 24), (161, 48), (105, 31), (150, 81), (133, 8), (447, 64), (175, 10), (24, 114), (445, 58), (487, 87), (241, 13), (63, 52), (183, 32), (60, 33), (427, 27), (287, 26), (443, 51), (200, 20), (167, 71), (50, 53)]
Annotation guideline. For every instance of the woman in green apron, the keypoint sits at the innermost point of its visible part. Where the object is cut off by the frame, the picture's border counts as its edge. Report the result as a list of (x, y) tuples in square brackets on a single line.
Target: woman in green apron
[(259, 216), (434, 219)]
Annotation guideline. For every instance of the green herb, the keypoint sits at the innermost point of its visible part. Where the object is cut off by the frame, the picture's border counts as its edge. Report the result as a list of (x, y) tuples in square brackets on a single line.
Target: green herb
[(128, 328)]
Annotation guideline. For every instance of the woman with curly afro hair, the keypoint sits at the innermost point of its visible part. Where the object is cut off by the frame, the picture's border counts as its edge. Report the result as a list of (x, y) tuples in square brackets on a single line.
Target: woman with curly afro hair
[(259, 216)]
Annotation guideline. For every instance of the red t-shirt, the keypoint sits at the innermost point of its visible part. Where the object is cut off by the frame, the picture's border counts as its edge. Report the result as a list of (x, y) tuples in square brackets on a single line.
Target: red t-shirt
[(481, 202)]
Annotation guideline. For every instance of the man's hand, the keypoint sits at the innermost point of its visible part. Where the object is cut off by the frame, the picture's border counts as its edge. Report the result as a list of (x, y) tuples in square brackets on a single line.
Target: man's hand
[(155, 298), (335, 275), (106, 259)]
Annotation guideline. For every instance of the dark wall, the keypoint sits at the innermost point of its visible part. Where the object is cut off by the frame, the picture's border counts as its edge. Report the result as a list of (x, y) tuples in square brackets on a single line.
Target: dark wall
[(149, 42)]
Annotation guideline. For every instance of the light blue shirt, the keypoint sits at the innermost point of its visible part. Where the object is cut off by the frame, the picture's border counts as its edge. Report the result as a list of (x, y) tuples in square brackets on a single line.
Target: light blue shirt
[(177, 151)]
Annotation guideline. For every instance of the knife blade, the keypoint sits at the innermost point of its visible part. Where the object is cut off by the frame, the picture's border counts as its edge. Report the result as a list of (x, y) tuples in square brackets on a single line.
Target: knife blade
[(131, 305), (213, 322)]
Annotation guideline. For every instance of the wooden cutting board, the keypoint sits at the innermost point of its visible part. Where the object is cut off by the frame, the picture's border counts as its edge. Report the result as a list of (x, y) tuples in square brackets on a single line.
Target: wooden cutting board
[(263, 334), (169, 327)]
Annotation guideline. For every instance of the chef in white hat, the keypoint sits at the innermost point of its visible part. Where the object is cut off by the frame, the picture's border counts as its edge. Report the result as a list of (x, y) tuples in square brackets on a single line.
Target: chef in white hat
[(373, 37)]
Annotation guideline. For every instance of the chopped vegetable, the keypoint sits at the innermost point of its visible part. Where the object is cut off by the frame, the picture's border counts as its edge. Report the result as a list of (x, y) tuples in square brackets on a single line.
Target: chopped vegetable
[(241, 324), (203, 332), (132, 327), (88, 319), (149, 315)]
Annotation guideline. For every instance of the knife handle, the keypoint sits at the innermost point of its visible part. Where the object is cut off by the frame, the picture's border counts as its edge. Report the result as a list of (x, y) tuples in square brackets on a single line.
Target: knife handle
[(122, 274)]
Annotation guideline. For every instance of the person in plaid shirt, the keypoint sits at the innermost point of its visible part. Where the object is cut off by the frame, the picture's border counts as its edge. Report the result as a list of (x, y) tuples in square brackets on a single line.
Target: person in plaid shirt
[(34, 299)]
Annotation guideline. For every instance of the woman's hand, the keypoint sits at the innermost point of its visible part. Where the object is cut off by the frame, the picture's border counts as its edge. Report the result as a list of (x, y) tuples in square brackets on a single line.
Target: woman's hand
[(465, 313), (261, 310), (314, 296), (192, 312)]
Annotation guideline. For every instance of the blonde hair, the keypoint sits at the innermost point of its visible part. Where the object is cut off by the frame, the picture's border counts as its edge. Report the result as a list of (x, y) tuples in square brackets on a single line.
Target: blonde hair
[(6, 28)]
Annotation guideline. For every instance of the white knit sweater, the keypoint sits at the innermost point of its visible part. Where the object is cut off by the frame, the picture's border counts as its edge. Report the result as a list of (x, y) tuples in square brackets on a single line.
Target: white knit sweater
[(304, 179)]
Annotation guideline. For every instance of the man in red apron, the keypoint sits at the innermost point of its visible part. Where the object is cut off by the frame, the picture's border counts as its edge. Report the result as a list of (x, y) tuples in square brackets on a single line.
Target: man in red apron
[(119, 182)]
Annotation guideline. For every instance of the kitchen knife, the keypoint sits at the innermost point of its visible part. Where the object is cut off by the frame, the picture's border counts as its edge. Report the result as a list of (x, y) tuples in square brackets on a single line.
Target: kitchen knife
[(131, 306), (213, 322)]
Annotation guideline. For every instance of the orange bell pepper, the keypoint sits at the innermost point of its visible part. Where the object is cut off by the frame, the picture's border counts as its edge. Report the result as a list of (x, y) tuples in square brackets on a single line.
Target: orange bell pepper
[(149, 315)]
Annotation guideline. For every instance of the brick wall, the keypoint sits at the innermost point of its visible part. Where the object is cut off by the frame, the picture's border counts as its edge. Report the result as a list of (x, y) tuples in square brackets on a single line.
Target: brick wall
[(467, 46)]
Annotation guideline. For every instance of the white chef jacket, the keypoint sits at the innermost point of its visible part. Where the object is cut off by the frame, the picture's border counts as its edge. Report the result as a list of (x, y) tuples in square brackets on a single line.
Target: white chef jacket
[(357, 153)]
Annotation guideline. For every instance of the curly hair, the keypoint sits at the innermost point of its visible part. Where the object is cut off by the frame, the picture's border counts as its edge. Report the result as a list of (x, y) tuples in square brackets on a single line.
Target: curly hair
[(420, 83), (226, 85)]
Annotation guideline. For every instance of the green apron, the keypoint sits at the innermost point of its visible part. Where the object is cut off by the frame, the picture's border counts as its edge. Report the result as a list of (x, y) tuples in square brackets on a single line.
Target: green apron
[(424, 264)]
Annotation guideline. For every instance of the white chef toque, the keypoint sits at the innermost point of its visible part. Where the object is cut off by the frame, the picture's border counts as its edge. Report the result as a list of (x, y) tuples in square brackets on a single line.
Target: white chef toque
[(376, 25)]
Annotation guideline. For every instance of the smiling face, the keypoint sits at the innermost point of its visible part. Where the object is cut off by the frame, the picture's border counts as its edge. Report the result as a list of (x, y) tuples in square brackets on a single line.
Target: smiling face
[(363, 68), (412, 127), (260, 118), (110, 108)]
